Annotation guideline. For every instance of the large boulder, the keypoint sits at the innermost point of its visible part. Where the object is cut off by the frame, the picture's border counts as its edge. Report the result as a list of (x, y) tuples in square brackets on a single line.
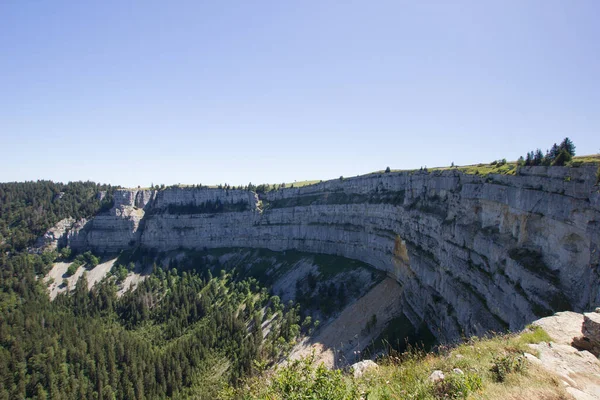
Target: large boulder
[(562, 327), (590, 340)]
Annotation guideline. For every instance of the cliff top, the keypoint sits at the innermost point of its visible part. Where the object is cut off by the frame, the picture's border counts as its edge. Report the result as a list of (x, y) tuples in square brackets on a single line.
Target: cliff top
[(501, 167)]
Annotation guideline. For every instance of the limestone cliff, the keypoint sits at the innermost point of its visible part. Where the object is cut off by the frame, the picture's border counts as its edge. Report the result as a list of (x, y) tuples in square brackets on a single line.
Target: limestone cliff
[(472, 253)]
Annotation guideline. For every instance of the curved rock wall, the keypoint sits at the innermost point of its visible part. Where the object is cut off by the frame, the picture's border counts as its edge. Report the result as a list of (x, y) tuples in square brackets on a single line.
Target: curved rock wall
[(472, 253)]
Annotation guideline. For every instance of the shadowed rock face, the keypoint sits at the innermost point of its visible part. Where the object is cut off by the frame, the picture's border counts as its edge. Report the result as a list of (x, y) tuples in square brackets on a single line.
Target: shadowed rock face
[(472, 253)]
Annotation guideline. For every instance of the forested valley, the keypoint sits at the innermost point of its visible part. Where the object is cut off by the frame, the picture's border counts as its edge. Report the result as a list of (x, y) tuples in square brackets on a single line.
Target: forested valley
[(183, 332)]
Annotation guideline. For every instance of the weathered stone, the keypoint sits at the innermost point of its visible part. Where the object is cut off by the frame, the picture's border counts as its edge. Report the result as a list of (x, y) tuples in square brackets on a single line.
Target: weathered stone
[(473, 253), (361, 367), (55, 236), (590, 340), (436, 376), (562, 327), (579, 371), (532, 359)]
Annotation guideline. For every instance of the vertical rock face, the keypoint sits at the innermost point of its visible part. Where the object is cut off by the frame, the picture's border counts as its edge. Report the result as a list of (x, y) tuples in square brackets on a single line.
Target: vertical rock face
[(473, 253)]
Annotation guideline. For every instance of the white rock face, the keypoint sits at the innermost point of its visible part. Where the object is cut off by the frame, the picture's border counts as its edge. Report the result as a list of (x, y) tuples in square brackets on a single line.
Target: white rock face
[(436, 376), (361, 367), (55, 236), (472, 253)]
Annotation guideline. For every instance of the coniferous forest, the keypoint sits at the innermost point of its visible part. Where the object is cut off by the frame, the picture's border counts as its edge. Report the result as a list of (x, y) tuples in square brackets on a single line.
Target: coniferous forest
[(182, 333)]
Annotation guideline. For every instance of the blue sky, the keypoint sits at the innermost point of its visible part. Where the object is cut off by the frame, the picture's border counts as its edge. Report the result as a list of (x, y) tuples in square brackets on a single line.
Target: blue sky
[(142, 92)]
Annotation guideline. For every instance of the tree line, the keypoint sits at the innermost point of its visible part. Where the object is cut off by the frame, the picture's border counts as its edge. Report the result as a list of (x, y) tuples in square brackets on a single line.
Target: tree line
[(557, 155)]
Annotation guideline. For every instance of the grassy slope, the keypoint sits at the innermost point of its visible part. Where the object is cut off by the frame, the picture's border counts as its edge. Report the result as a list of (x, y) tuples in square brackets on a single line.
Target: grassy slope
[(406, 376), (482, 168)]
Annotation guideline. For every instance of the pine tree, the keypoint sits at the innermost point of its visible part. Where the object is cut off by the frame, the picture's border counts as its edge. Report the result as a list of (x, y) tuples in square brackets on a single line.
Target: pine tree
[(568, 146), (538, 157), (553, 153)]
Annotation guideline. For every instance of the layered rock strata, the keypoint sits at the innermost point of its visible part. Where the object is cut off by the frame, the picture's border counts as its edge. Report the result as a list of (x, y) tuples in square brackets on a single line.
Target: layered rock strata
[(472, 253)]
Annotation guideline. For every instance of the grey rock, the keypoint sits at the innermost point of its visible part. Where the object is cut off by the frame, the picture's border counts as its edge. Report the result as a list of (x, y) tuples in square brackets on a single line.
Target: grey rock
[(532, 359), (472, 253), (359, 368), (55, 236), (590, 339), (436, 376)]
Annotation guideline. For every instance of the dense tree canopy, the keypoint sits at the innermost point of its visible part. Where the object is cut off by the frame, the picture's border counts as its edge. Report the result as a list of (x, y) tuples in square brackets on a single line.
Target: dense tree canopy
[(28, 209), (182, 333)]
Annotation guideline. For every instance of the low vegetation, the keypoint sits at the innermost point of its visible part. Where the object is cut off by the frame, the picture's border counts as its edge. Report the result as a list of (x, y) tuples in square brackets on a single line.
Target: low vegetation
[(492, 368)]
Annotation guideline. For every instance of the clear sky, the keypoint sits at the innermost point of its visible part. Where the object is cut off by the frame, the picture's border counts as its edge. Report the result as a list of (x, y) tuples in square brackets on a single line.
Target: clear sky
[(140, 92)]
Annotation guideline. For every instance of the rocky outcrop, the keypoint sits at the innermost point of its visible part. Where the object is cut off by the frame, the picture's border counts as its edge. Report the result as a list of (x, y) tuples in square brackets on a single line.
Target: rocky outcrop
[(55, 237), (472, 253), (570, 354)]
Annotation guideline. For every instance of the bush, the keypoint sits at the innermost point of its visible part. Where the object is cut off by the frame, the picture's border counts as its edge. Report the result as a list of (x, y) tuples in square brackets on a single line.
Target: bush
[(301, 380), (120, 272), (72, 269), (562, 158), (90, 259), (388, 170), (65, 253), (458, 386), (507, 364)]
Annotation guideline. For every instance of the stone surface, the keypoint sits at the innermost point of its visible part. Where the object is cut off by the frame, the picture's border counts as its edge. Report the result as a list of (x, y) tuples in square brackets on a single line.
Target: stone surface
[(590, 338), (532, 359), (361, 367), (436, 376), (579, 371), (591, 326), (472, 253), (55, 236), (562, 327)]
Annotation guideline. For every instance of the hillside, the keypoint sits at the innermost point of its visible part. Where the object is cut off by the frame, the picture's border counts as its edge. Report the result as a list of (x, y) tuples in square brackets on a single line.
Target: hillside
[(529, 365), (473, 253), (196, 292)]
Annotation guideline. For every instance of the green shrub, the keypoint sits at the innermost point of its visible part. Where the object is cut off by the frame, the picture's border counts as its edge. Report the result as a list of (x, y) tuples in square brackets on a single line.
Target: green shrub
[(458, 386), (90, 259), (120, 272), (507, 364), (300, 380), (72, 269), (65, 253)]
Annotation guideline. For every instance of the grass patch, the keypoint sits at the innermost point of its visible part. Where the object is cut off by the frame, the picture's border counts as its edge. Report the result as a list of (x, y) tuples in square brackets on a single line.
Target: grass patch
[(491, 368), (589, 159)]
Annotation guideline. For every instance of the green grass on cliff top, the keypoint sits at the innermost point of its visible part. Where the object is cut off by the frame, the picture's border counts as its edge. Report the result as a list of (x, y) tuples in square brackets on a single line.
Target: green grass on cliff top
[(475, 169), (492, 368)]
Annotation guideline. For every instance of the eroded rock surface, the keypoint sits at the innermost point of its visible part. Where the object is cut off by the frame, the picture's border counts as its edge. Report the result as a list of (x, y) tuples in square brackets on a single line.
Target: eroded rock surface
[(472, 253)]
